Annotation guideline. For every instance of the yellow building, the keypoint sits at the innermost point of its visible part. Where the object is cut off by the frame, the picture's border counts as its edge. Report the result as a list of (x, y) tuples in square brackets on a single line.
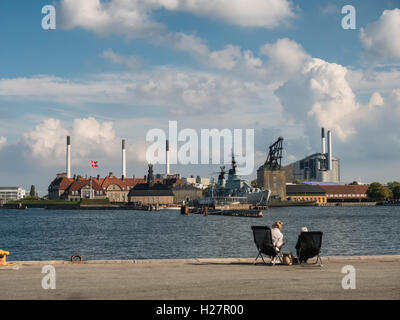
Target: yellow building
[(305, 192)]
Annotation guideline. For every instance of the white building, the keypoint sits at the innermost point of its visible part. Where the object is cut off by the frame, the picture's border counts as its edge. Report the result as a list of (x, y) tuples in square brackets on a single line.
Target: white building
[(12, 193), (198, 182)]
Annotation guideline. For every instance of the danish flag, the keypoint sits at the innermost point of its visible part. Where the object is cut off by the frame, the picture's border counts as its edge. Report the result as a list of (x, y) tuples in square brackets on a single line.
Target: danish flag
[(94, 164)]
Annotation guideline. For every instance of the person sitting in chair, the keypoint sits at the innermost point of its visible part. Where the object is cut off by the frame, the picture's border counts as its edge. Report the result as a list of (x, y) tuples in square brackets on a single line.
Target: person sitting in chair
[(298, 244), (277, 236)]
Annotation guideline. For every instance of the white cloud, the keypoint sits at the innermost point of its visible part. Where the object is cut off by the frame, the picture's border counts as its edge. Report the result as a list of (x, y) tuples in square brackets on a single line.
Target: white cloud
[(90, 140), (370, 80), (49, 88), (47, 140), (130, 62), (250, 13), (381, 38), (322, 96), (3, 142), (133, 18), (130, 18), (286, 58), (376, 100)]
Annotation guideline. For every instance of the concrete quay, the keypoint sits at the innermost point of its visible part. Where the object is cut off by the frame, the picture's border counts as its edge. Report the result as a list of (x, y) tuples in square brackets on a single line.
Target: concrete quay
[(377, 277)]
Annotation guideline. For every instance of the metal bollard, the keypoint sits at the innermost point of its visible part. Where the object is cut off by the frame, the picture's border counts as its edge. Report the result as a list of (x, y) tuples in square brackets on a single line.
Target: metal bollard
[(3, 257)]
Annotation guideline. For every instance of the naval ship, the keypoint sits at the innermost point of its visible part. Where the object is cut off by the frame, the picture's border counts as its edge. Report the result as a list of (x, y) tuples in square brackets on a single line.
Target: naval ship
[(235, 190)]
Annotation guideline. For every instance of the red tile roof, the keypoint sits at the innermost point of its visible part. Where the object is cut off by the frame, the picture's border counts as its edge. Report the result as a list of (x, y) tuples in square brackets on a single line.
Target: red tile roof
[(62, 183), (123, 183), (345, 191), (80, 183)]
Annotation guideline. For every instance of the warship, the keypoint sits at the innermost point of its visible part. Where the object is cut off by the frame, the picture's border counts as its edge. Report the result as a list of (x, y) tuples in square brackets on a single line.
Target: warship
[(235, 190)]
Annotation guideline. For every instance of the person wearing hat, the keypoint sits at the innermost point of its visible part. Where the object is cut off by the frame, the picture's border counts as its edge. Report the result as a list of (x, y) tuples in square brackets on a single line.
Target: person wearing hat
[(298, 244)]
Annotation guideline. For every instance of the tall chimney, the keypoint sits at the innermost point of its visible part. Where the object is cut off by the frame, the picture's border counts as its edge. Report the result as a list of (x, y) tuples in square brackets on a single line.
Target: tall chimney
[(167, 157), (68, 157), (323, 140), (123, 160), (329, 150)]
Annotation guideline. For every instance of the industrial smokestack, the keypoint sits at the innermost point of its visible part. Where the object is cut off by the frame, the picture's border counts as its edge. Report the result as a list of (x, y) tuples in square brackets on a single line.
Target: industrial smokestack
[(68, 157), (329, 150), (323, 140), (123, 160), (167, 157)]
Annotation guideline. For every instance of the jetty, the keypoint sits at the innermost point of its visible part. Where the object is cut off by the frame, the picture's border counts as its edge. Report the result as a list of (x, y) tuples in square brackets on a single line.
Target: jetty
[(377, 277), (235, 210)]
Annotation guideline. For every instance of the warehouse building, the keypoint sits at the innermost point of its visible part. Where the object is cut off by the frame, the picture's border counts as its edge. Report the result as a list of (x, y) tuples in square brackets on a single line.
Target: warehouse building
[(151, 192), (346, 193), (305, 192)]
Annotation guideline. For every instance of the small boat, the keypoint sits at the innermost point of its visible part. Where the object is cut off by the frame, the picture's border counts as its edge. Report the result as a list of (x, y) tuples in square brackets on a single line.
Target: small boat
[(170, 208)]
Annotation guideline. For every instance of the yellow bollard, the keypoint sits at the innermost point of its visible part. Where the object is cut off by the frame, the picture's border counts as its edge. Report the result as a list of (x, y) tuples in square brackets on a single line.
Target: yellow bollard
[(3, 256)]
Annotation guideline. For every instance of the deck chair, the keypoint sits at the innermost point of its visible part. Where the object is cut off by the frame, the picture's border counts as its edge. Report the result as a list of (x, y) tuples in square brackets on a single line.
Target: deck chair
[(310, 246), (263, 240)]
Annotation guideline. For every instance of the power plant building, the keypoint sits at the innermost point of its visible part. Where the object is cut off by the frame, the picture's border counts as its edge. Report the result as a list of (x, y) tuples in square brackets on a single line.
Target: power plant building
[(319, 167)]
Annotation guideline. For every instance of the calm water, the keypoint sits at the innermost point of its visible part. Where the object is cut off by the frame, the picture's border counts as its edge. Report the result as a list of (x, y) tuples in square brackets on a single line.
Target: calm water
[(37, 234)]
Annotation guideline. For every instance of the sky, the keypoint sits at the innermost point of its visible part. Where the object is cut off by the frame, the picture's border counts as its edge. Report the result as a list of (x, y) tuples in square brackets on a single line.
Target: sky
[(116, 69)]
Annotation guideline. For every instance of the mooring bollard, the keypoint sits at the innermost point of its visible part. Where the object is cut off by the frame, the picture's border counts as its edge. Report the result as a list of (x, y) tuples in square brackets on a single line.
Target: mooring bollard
[(3, 257), (184, 209)]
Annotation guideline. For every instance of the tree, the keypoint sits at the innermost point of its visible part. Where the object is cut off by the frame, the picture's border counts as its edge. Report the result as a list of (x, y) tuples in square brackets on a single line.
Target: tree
[(396, 192), (32, 193), (377, 192), (354, 183), (392, 185), (297, 181)]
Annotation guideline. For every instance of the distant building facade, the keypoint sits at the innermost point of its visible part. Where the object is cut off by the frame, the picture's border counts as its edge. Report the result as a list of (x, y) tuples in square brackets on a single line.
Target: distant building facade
[(186, 193), (273, 180), (198, 182), (12, 193), (312, 168), (115, 189), (85, 189), (346, 193), (305, 192), (151, 193)]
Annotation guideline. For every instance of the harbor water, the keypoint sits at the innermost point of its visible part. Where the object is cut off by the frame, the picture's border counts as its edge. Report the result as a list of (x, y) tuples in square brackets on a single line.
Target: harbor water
[(39, 234)]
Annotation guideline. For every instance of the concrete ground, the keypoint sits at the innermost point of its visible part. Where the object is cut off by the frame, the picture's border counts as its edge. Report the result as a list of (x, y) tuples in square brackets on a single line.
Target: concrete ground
[(377, 277)]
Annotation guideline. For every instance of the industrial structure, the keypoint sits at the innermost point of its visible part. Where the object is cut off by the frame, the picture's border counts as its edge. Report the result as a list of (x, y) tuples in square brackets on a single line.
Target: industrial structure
[(270, 175), (320, 167)]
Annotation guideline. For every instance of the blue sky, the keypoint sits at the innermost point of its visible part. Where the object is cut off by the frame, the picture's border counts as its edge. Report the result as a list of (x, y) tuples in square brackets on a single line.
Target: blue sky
[(81, 71)]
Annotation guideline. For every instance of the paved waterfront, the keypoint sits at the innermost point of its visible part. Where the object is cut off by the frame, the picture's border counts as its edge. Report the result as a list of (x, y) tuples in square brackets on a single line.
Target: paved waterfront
[(377, 277)]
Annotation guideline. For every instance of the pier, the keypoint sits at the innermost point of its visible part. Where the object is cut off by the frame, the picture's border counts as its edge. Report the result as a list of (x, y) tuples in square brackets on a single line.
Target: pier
[(377, 277)]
